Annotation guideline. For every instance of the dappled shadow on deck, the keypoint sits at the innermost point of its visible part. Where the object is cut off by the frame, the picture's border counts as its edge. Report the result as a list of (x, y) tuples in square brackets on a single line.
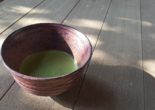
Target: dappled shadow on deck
[(107, 86)]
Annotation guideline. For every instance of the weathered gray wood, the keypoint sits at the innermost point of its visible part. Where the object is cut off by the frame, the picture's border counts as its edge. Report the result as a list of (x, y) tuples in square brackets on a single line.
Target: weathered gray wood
[(47, 10), (114, 80), (148, 41), (18, 99), (88, 17), (12, 10), (87, 11)]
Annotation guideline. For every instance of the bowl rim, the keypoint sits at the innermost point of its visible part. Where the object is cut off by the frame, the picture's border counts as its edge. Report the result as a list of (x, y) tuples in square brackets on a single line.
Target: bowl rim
[(16, 73)]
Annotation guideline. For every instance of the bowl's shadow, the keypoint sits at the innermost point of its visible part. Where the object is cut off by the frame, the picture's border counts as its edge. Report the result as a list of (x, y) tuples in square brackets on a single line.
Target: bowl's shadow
[(116, 87), (93, 91)]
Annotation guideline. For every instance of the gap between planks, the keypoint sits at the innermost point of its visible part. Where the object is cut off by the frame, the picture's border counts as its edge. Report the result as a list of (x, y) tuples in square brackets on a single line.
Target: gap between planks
[(92, 55), (19, 20)]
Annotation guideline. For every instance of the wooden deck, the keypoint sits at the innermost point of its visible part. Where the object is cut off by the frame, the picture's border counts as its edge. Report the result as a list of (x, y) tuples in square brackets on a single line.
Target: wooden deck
[(122, 69)]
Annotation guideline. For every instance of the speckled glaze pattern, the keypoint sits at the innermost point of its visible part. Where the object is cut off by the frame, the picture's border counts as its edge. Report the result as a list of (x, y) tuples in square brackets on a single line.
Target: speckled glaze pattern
[(41, 37)]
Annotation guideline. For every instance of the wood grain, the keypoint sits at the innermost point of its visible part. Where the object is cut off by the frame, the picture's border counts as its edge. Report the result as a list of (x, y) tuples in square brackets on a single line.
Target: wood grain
[(87, 10), (114, 80), (18, 99), (88, 17), (148, 41), (12, 10), (6, 79)]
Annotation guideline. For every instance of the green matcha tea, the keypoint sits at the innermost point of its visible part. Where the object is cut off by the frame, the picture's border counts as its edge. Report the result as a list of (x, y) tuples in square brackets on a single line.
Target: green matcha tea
[(48, 63)]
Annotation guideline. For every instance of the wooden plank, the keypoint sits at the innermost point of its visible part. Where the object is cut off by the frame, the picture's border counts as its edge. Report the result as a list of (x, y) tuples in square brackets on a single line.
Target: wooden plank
[(18, 99), (84, 18), (12, 10), (88, 17), (44, 11), (148, 41), (114, 80), (84, 10)]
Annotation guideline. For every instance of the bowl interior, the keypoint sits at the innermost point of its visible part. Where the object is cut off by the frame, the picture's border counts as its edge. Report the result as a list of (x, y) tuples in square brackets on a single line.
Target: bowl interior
[(41, 37)]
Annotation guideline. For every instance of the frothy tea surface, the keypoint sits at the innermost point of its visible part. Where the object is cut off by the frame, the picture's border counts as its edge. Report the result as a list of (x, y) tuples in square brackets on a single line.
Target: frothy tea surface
[(48, 64)]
